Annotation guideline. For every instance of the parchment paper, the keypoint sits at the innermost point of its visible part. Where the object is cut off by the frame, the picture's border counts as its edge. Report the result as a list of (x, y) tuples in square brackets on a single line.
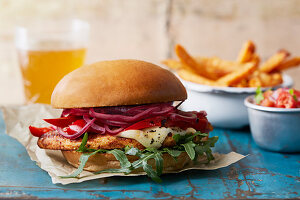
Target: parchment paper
[(18, 119)]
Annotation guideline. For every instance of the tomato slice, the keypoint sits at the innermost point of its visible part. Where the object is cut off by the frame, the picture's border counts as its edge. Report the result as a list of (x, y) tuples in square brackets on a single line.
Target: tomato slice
[(62, 121), (38, 132), (285, 100), (147, 123)]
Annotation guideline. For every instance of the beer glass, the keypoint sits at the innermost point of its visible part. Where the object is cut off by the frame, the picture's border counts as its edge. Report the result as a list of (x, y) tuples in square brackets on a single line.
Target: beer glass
[(47, 51)]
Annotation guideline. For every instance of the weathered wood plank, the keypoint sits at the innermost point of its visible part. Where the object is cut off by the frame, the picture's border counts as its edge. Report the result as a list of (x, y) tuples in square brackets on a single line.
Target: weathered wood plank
[(261, 175)]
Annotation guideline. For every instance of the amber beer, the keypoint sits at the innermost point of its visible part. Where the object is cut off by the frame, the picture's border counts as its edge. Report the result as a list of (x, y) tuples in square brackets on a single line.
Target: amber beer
[(47, 53), (42, 69)]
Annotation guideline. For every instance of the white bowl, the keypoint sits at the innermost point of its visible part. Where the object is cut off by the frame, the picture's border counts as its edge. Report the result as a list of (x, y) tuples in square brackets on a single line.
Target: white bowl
[(269, 124), (224, 105)]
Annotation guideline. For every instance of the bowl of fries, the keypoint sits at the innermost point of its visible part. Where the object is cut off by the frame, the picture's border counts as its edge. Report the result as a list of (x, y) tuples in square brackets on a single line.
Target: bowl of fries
[(220, 86)]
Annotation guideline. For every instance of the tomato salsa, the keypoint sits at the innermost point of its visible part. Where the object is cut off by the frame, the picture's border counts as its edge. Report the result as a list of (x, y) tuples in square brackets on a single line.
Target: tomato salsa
[(280, 98)]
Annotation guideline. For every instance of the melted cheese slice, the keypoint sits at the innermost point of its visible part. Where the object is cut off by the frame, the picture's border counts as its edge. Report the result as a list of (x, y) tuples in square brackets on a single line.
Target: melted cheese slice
[(154, 136)]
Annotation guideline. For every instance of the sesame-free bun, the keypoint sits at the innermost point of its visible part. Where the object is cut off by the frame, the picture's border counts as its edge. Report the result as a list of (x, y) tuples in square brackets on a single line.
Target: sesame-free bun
[(101, 161), (116, 83)]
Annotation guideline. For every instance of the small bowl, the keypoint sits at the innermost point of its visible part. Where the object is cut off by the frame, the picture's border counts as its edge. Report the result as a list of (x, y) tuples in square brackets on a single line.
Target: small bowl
[(275, 129), (224, 105)]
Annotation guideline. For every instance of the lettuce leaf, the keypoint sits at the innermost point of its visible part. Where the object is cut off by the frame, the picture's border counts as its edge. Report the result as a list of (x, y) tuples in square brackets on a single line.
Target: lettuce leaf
[(184, 143)]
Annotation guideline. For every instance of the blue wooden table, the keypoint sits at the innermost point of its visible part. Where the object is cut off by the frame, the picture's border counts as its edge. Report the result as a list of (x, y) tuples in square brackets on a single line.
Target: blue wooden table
[(261, 175)]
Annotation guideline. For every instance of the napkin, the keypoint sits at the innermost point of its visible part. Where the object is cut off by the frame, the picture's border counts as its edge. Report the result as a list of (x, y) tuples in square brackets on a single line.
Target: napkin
[(18, 119)]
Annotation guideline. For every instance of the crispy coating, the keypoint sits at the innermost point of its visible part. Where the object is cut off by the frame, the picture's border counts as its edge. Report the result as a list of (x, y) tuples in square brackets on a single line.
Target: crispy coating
[(53, 140)]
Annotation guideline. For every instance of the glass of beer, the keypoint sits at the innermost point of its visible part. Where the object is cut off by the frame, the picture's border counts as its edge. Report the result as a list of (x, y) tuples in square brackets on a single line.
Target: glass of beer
[(47, 51)]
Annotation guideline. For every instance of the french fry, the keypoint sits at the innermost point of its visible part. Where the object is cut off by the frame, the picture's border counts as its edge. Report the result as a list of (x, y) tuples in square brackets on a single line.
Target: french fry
[(274, 61), (256, 59), (185, 58), (215, 64), (242, 83), (255, 82), (236, 76), (172, 64), (245, 72), (265, 78), (293, 62), (191, 76), (246, 52), (276, 79), (192, 65)]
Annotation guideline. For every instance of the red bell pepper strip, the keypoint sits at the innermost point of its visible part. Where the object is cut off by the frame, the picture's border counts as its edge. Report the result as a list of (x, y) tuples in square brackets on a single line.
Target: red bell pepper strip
[(146, 123), (201, 124), (38, 132), (75, 127), (62, 121)]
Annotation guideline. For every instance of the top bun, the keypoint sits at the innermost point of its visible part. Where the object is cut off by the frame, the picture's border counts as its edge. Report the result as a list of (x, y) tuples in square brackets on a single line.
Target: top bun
[(116, 83)]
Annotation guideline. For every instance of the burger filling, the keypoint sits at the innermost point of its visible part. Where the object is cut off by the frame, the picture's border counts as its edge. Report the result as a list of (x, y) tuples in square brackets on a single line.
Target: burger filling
[(141, 130), (155, 136)]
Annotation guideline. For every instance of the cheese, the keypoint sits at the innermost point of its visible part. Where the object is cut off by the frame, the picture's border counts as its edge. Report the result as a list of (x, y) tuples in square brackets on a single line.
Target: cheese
[(153, 137)]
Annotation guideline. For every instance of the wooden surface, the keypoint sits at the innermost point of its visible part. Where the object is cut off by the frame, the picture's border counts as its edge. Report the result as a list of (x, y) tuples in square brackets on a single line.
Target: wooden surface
[(261, 175)]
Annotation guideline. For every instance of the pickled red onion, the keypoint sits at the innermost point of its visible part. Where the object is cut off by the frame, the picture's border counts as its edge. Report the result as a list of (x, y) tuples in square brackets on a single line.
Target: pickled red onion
[(112, 120)]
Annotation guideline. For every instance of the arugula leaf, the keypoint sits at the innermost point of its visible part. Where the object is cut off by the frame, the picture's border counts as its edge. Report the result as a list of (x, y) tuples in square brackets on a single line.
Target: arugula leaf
[(199, 150), (189, 148), (82, 147), (181, 139), (198, 133), (259, 96), (144, 157), (150, 172), (174, 153), (206, 148), (190, 137), (177, 138), (209, 154), (121, 170), (212, 141), (83, 159), (184, 143), (150, 149), (159, 163), (120, 156)]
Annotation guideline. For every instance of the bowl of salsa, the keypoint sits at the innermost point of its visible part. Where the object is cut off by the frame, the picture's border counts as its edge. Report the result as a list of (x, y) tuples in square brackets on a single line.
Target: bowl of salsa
[(274, 117)]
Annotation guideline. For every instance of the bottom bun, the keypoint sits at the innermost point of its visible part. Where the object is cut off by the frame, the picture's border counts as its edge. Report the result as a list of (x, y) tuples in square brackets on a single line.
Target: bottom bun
[(101, 161)]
